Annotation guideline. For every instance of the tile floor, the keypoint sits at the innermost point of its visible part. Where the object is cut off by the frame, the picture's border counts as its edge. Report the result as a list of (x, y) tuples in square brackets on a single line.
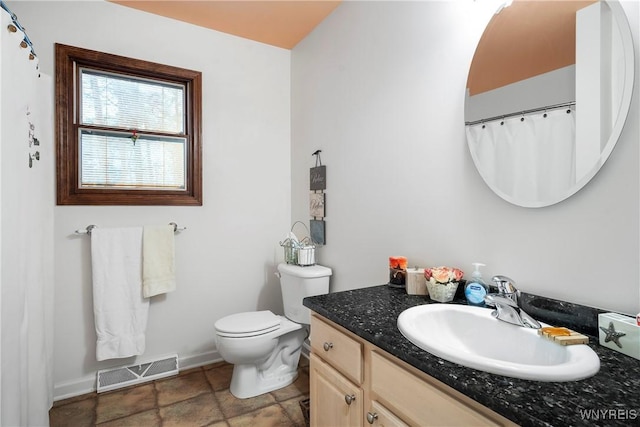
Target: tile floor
[(196, 397)]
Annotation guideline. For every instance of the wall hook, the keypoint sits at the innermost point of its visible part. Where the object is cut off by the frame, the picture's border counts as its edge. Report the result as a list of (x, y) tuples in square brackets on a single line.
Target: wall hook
[(318, 159), (33, 156)]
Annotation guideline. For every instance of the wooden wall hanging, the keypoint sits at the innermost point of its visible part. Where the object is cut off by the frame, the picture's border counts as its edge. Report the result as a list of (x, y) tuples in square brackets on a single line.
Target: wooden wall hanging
[(317, 200)]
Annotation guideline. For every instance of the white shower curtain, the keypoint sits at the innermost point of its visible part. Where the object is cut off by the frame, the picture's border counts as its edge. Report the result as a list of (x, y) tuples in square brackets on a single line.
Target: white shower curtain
[(26, 234), (526, 158)]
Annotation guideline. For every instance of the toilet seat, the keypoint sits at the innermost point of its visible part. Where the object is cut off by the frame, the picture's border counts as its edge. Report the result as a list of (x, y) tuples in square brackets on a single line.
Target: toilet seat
[(248, 324)]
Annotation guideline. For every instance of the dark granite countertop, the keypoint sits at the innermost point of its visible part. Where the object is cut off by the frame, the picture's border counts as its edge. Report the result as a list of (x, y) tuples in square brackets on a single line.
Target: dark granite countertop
[(610, 398)]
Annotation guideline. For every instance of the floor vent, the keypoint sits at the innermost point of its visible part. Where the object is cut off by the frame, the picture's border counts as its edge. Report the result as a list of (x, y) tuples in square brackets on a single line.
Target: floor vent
[(111, 379)]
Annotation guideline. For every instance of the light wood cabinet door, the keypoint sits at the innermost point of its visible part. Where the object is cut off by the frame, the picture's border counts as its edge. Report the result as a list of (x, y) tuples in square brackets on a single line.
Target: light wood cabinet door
[(424, 403), (335, 401)]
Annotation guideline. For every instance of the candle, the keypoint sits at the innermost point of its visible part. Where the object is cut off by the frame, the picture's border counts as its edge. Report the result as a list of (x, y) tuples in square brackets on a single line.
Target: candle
[(398, 262), (397, 271)]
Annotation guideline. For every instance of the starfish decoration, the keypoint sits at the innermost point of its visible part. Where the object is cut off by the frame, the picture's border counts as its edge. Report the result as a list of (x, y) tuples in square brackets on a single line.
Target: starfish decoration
[(612, 335)]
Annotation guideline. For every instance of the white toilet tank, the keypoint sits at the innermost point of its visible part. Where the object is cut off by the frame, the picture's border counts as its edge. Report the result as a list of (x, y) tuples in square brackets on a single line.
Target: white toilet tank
[(299, 282)]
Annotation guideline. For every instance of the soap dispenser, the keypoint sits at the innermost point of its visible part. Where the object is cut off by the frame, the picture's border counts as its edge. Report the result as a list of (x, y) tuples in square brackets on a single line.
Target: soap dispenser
[(476, 289)]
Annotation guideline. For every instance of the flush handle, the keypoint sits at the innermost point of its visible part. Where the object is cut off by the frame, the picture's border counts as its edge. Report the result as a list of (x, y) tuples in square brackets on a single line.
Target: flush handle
[(327, 346), (371, 417), (349, 398)]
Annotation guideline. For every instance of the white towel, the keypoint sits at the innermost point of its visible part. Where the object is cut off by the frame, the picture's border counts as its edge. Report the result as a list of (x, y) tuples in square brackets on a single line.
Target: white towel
[(158, 263), (119, 308)]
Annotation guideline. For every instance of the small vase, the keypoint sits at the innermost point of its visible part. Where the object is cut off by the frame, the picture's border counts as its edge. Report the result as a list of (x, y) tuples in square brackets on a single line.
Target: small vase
[(442, 292)]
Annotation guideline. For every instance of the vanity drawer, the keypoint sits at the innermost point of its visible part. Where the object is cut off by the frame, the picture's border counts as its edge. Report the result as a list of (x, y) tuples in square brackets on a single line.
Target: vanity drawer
[(336, 347), (381, 416), (425, 403)]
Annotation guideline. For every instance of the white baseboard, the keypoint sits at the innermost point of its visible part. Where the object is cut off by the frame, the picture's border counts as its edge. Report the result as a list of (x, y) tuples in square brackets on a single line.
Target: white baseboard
[(67, 389), (87, 384), (198, 360)]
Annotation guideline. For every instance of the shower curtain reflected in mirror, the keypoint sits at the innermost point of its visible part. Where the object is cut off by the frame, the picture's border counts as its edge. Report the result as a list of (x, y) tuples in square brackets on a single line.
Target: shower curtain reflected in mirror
[(529, 157)]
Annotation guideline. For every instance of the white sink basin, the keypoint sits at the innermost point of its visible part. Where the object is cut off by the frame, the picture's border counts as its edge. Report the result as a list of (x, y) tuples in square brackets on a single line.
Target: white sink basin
[(471, 337)]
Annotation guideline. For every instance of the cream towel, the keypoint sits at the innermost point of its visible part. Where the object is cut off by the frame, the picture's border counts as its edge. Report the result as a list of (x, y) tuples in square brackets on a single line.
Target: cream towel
[(158, 264), (119, 309)]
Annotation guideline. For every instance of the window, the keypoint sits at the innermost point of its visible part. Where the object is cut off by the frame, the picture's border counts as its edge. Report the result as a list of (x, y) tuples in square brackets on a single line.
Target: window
[(128, 131)]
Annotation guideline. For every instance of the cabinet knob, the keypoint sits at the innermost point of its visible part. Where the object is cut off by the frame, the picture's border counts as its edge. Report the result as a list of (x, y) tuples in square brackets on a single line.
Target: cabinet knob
[(349, 398), (371, 417), (327, 346)]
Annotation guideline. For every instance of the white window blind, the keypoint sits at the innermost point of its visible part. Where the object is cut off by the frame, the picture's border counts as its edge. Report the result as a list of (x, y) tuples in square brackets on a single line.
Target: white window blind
[(131, 103), (112, 108), (113, 160)]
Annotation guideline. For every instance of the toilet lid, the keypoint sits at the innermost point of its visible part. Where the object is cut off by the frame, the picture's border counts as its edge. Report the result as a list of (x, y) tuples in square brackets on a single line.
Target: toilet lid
[(253, 322)]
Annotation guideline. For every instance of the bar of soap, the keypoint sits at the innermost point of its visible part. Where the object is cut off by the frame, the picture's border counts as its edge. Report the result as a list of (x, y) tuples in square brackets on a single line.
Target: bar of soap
[(563, 336), (554, 331)]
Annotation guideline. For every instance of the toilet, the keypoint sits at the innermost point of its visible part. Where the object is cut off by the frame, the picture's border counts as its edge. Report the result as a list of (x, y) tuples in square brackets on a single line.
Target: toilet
[(264, 347)]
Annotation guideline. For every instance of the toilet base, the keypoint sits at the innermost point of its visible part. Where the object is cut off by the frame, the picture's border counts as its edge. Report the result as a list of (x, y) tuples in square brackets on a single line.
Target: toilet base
[(279, 370), (248, 382)]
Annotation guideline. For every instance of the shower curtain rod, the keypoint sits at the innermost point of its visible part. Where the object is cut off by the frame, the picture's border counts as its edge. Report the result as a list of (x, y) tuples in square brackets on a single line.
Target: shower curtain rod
[(522, 113), (26, 41), (90, 228)]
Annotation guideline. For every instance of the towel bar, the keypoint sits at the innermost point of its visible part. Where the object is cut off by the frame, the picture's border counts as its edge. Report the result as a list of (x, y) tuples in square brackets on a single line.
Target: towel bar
[(89, 228)]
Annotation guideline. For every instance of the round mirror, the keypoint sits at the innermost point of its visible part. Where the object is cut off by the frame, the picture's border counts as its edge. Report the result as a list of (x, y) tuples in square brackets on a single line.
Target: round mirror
[(548, 92)]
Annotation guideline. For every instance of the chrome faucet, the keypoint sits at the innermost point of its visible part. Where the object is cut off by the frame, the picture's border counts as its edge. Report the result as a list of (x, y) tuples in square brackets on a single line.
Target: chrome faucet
[(506, 304), (506, 288)]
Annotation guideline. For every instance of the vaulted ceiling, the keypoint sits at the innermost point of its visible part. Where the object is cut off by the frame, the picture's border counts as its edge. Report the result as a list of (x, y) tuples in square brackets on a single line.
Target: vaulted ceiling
[(281, 23)]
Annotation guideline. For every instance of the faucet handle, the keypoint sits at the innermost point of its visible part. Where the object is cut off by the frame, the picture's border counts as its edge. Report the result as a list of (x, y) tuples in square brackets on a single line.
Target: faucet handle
[(494, 300), (507, 309), (505, 285)]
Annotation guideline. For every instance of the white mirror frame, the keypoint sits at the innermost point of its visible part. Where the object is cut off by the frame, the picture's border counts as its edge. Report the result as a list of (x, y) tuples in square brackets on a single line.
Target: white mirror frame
[(625, 105)]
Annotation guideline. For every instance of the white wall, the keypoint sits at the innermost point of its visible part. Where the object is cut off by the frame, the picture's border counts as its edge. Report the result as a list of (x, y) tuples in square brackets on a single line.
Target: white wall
[(226, 257), (551, 88), (379, 87)]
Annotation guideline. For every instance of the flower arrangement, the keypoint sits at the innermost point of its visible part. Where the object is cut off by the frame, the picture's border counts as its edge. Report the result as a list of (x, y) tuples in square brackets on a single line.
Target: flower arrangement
[(443, 275), (442, 282)]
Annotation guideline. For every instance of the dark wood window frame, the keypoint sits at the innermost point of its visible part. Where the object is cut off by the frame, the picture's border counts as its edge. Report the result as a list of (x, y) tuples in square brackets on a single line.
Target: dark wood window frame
[(69, 192)]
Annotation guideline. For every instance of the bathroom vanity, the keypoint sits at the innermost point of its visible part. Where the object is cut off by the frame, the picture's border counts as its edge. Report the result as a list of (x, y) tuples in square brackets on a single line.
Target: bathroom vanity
[(365, 382), (364, 371)]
